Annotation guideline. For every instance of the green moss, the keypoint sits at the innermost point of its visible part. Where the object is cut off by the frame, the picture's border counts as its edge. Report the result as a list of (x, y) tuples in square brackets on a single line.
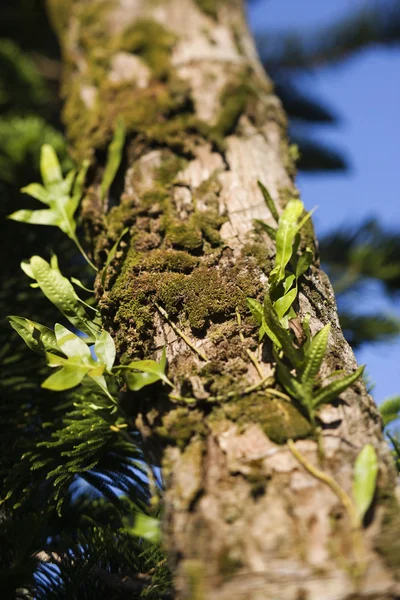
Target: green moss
[(168, 170), (169, 260), (229, 564), (181, 424), (183, 235), (234, 99), (152, 42), (259, 252), (280, 420), (209, 7), (201, 296)]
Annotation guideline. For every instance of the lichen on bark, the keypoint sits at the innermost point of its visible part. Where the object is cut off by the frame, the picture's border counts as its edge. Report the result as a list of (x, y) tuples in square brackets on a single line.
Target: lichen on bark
[(242, 519)]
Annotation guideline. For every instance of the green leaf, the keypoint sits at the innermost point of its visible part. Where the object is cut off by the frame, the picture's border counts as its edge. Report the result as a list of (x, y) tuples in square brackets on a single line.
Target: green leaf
[(37, 337), (49, 166), (66, 378), (289, 382), (279, 335), (100, 381), (37, 191), (287, 230), (288, 282), (304, 262), (79, 283), (105, 349), (306, 218), (111, 255), (137, 381), (256, 309), (283, 304), (364, 482), (151, 371), (314, 357), (390, 410), (144, 527), (269, 201), (267, 228), (114, 158), (35, 217), (27, 269), (78, 188), (332, 391), (72, 345), (61, 293)]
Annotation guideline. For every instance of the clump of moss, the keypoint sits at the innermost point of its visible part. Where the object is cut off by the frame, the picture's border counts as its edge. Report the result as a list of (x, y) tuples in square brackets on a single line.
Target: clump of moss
[(152, 42), (209, 7), (258, 251), (181, 424), (280, 420), (169, 260)]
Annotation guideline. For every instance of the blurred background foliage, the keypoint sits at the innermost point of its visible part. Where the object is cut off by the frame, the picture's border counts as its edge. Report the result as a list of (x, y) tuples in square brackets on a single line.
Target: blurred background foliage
[(64, 532)]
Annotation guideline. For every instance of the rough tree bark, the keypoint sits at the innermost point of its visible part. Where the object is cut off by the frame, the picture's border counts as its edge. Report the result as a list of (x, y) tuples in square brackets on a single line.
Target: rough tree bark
[(243, 519)]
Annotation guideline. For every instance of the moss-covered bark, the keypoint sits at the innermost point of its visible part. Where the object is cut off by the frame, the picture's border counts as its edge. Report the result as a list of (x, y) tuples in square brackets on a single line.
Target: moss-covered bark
[(242, 519)]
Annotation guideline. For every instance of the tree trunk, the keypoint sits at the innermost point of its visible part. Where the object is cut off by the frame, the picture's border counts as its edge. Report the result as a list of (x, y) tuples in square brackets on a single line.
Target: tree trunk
[(243, 518)]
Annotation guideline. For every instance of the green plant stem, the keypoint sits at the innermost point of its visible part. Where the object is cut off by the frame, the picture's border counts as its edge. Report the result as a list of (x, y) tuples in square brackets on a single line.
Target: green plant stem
[(359, 551), (85, 256), (180, 333)]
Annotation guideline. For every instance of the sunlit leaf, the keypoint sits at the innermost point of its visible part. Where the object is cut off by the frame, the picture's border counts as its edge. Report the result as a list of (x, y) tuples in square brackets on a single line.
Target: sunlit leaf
[(364, 479), (304, 262), (72, 345), (49, 166), (144, 527), (314, 356), (390, 410), (65, 378), (283, 304), (35, 217), (333, 390), (61, 293), (113, 158), (105, 349), (37, 337), (287, 230)]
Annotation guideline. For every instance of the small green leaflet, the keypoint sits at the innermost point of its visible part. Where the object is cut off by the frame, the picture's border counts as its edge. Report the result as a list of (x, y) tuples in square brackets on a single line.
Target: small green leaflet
[(287, 230), (144, 527), (364, 479), (269, 201), (37, 337), (79, 362), (279, 335), (66, 378), (390, 410), (149, 372), (270, 231), (333, 390), (72, 345), (60, 195), (59, 290), (105, 349), (113, 158), (314, 357), (50, 167)]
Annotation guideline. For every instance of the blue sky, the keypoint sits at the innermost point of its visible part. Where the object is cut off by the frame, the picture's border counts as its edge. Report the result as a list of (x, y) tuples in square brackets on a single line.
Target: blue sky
[(365, 93)]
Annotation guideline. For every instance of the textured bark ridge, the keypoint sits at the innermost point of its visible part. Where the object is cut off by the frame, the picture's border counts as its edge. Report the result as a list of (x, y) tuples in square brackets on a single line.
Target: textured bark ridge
[(243, 519)]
